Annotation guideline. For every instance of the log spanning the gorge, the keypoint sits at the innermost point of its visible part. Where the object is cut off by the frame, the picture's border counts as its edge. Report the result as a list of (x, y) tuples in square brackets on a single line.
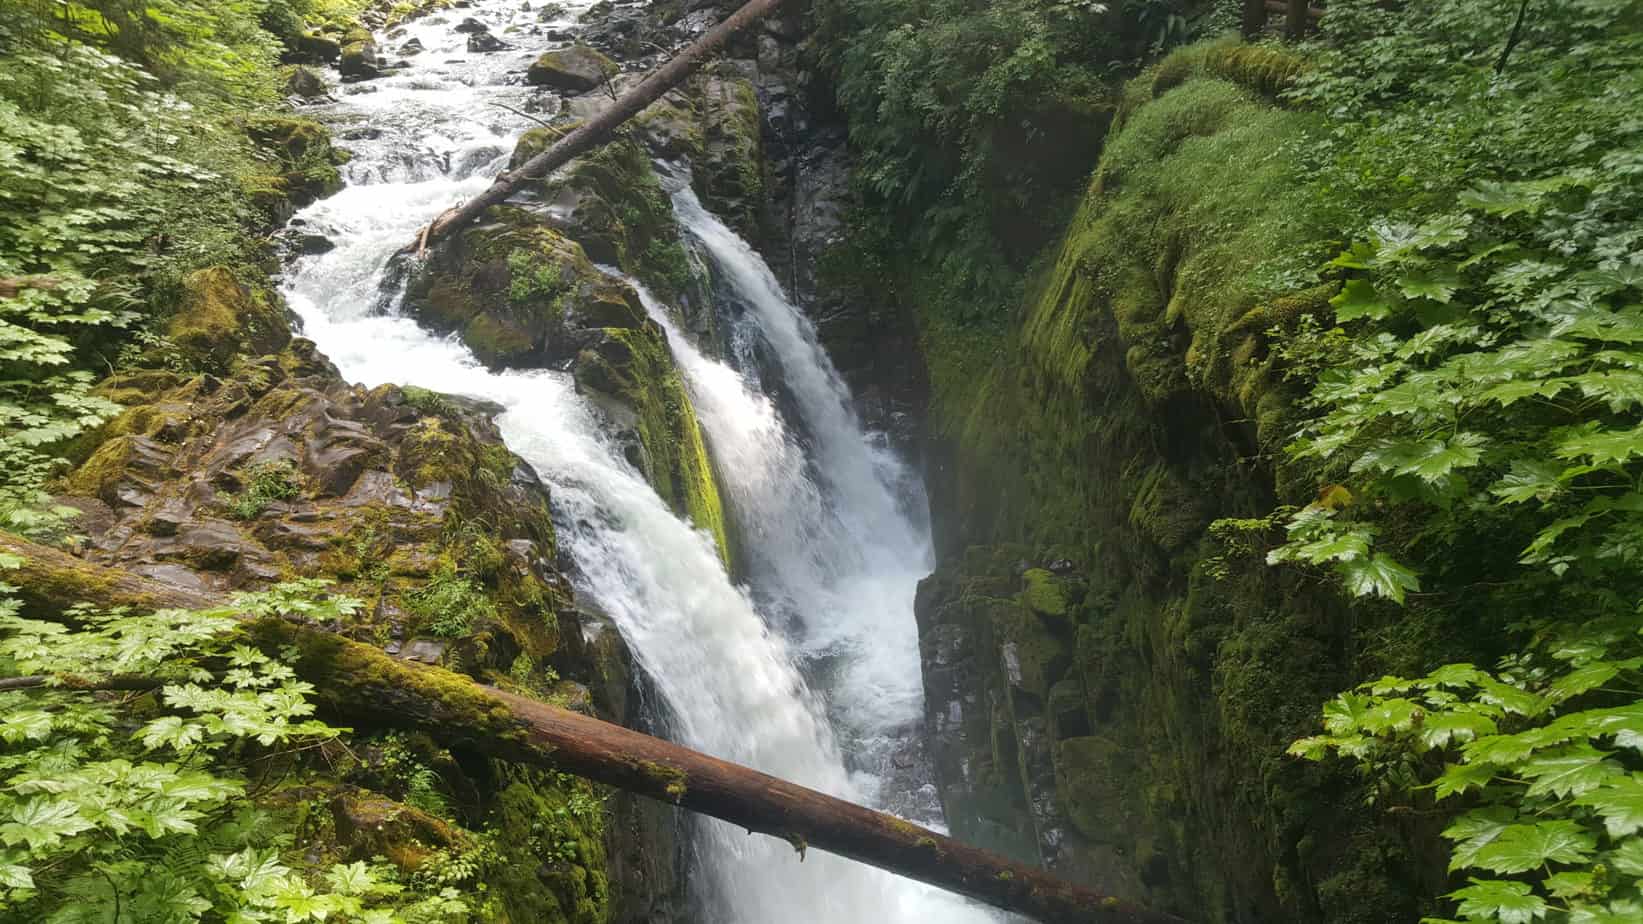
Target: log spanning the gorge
[(598, 129), (361, 681)]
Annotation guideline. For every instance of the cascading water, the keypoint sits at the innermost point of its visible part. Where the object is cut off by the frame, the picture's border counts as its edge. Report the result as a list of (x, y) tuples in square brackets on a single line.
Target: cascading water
[(845, 548)]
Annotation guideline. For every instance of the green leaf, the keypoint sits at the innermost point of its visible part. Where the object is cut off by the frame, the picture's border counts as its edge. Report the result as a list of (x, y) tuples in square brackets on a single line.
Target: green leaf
[(1358, 299), (1474, 831), (43, 823), (1570, 885), (1378, 576), (1586, 678), (1570, 771), (1498, 899), (1529, 479), (1619, 804), (13, 876), (1460, 778), (1438, 285), (29, 725), (1440, 729), (1345, 713), (1628, 857), (1523, 847), (1601, 446)]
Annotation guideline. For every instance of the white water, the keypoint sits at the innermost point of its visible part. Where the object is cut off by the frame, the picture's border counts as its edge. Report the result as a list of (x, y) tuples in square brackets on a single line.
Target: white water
[(843, 553)]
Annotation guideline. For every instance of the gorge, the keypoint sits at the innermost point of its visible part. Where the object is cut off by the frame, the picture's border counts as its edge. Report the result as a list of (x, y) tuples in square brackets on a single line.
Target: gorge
[(1021, 418)]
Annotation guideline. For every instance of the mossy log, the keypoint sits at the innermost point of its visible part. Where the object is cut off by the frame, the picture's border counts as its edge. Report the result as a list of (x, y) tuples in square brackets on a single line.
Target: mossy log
[(359, 681), (597, 130)]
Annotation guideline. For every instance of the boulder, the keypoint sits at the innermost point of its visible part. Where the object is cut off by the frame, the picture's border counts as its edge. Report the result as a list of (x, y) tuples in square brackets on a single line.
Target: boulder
[(219, 318), (472, 26), (412, 47), (484, 43), (304, 83), (359, 61), (576, 69), (313, 47)]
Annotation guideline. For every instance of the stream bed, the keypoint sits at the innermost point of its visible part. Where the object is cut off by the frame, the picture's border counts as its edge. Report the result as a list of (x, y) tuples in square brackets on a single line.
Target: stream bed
[(807, 669)]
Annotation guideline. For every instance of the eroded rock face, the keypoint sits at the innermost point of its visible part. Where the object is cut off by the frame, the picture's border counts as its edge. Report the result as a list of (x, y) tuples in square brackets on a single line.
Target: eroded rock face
[(266, 467)]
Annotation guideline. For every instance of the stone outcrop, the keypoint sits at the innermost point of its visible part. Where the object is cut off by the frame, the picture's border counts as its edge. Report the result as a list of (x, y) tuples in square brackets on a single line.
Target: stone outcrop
[(265, 466), (574, 70)]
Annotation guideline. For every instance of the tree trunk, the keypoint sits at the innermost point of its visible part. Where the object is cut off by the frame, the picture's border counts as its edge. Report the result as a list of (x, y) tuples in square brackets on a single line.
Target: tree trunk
[(363, 682), (1254, 19), (1295, 18), (598, 129)]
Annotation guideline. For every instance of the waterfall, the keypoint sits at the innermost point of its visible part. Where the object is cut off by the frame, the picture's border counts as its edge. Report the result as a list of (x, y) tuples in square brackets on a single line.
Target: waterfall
[(842, 549)]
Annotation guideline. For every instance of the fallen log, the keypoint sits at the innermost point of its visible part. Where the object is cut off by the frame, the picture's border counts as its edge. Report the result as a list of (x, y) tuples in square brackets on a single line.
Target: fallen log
[(359, 681), (597, 130)]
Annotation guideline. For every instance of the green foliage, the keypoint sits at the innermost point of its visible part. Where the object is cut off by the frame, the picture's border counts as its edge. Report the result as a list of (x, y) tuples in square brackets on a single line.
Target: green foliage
[(265, 483), (138, 806), (1476, 424), (1543, 754), (450, 603), (428, 402), (530, 278), (973, 125), (120, 171)]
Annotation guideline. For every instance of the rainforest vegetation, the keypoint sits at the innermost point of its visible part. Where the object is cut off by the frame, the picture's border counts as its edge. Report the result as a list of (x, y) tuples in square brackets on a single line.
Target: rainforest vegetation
[(1396, 263)]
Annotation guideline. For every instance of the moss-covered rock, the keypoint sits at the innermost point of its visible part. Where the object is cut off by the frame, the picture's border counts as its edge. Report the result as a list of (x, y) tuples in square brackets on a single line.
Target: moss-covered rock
[(612, 204), (306, 164), (519, 293), (219, 318), (1138, 400), (359, 60), (729, 168), (576, 69), (632, 366)]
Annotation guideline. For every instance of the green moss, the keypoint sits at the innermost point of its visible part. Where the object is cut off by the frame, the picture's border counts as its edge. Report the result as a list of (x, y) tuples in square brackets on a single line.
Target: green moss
[(634, 366), (349, 673), (670, 779), (263, 484), (1044, 593), (622, 212), (549, 830), (219, 319), (730, 169)]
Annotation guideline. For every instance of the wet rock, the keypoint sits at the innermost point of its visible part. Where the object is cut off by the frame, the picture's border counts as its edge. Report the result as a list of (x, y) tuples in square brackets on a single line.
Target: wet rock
[(368, 825), (314, 244), (305, 83), (471, 26), (576, 69), (424, 650), (484, 43), (412, 47), (360, 61), (315, 48)]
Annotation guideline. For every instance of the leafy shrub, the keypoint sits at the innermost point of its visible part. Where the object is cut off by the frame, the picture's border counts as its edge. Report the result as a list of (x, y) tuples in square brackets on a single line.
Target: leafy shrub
[(137, 805), (450, 603), (974, 125), (265, 483), (120, 167), (1476, 425)]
